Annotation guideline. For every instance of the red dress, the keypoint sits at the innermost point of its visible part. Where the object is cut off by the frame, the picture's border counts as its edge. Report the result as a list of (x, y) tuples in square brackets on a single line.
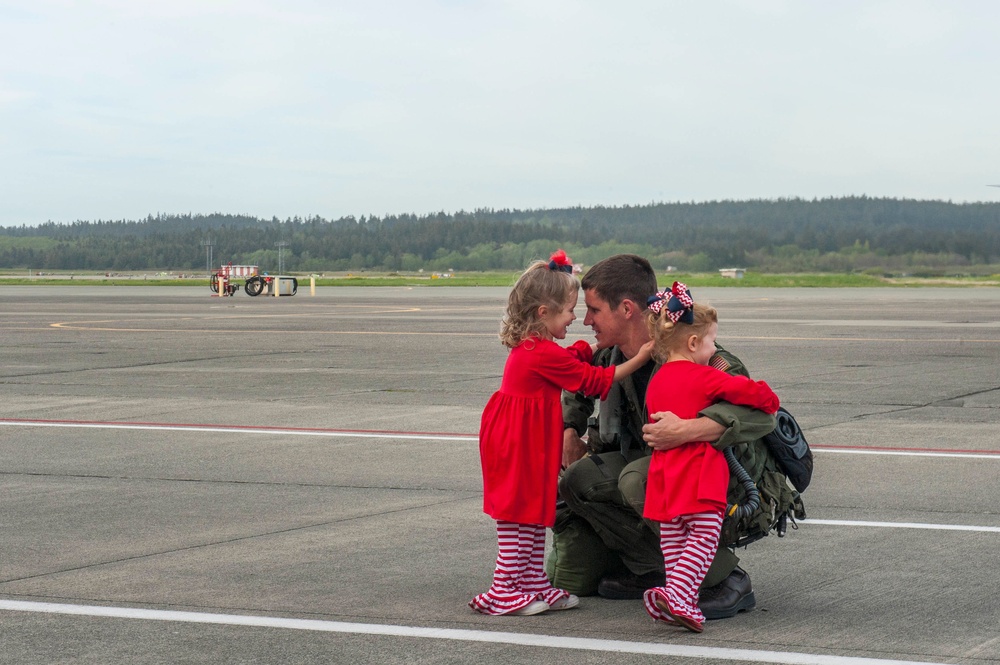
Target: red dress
[(521, 432), (694, 477)]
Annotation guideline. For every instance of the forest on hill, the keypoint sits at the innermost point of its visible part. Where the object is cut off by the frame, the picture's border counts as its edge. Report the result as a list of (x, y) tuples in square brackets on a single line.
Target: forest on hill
[(847, 234)]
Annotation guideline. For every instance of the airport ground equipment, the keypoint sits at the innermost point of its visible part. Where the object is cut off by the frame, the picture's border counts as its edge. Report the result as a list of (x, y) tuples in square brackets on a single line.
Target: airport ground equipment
[(224, 282)]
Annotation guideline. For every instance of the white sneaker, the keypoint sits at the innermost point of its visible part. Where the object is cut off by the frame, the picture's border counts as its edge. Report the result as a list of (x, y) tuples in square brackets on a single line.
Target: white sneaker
[(536, 607), (565, 603)]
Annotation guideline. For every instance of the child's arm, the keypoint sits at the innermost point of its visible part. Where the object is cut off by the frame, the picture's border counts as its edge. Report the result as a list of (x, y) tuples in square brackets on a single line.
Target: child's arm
[(577, 376), (745, 391), (635, 362)]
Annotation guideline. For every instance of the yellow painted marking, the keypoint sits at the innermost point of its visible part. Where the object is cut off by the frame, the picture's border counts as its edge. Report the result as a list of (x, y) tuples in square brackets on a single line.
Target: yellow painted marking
[(85, 326), (69, 326)]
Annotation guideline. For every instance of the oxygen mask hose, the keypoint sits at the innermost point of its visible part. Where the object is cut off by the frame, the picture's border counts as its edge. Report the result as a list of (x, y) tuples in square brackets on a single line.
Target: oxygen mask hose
[(747, 509)]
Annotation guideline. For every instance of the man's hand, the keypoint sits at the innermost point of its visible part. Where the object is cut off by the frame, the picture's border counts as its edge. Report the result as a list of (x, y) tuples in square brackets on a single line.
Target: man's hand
[(573, 447), (668, 431)]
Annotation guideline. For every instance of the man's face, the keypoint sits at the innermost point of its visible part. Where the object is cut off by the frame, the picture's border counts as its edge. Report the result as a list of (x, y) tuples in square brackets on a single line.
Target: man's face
[(607, 323)]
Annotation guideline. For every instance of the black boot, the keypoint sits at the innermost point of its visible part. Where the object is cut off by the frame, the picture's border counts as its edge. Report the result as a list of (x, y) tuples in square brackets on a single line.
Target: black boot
[(629, 586), (729, 597)]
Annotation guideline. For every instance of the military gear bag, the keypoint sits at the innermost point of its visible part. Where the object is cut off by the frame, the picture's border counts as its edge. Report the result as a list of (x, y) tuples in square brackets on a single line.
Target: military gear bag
[(778, 500), (790, 450)]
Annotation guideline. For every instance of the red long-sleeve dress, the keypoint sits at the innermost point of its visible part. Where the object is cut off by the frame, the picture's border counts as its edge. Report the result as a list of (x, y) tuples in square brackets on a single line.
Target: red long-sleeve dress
[(521, 432), (694, 478)]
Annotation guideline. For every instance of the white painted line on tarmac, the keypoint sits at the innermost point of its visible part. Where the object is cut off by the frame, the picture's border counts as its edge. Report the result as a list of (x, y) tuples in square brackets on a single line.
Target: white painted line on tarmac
[(906, 525), (423, 436), (492, 637)]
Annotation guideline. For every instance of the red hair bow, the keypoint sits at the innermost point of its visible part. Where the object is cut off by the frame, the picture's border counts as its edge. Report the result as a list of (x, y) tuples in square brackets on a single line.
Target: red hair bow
[(559, 261)]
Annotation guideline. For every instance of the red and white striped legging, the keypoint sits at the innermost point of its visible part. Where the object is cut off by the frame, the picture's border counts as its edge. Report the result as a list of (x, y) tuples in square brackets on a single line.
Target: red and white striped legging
[(519, 578), (688, 543)]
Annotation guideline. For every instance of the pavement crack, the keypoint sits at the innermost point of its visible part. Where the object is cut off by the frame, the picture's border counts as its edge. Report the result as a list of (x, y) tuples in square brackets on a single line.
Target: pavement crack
[(984, 391), (157, 363), (903, 408), (228, 541)]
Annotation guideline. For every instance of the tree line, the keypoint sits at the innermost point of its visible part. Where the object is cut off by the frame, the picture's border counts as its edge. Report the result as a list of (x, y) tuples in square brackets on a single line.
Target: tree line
[(832, 234)]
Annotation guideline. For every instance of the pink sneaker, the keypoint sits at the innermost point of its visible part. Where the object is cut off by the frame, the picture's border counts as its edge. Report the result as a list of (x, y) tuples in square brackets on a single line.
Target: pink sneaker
[(691, 624)]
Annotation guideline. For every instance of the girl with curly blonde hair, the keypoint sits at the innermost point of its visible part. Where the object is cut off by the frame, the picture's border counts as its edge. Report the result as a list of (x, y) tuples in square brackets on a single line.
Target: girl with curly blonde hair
[(520, 435)]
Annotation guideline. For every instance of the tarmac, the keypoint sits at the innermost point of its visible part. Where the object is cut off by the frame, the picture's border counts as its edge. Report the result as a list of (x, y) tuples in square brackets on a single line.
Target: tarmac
[(192, 479)]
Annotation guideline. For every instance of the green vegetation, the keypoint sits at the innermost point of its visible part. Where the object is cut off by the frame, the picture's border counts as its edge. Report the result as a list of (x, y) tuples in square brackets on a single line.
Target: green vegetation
[(85, 280), (10, 244), (801, 280), (851, 235)]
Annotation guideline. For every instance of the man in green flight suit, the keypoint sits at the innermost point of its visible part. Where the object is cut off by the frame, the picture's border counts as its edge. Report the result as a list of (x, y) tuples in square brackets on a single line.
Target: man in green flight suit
[(600, 540)]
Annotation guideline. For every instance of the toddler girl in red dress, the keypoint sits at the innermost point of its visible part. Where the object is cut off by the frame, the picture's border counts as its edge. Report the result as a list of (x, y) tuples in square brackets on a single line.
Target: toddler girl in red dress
[(520, 435), (686, 486)]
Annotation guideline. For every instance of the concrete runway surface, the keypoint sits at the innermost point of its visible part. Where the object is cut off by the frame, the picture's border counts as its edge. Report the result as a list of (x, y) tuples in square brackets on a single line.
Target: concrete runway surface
[(194, 479)]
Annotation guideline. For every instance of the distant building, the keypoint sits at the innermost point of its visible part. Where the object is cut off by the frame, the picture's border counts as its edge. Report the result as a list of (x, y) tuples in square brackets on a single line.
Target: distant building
[(735, 273)]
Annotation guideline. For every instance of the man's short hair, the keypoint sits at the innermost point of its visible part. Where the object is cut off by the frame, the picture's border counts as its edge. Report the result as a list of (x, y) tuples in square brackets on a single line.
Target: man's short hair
[(621, 277)]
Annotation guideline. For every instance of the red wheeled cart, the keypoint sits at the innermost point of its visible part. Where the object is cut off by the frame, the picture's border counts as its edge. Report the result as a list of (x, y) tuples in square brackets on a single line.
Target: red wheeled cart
[(222, 282)]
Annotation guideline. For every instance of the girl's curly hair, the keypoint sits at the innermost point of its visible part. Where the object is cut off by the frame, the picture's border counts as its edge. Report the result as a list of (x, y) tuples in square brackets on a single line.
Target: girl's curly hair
[(537, 286), (667, 335)]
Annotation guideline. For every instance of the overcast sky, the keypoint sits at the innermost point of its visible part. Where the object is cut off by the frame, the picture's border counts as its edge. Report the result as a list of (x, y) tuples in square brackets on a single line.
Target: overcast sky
[(117, 109)]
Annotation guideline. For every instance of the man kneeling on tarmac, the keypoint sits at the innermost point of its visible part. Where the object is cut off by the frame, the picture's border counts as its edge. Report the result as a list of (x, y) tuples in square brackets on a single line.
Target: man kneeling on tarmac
[(601, 542)]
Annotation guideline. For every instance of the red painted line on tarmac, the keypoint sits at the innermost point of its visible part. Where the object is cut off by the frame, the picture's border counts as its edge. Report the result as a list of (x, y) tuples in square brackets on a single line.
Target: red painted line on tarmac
[(235, 428), (906, 449)]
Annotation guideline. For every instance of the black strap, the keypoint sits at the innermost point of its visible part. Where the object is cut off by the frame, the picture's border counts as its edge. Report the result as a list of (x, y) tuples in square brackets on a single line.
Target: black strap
[(600, 465)]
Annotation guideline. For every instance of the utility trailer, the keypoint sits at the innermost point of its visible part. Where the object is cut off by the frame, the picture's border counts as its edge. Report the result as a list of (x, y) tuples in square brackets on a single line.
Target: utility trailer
[(224, 282)]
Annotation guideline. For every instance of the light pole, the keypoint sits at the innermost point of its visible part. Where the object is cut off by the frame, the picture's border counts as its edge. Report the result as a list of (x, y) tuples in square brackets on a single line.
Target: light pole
[(281, 266), (208, 245)]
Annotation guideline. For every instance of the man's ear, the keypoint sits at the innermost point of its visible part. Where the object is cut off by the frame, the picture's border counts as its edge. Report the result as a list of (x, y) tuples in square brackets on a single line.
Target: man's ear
[(629, 308)]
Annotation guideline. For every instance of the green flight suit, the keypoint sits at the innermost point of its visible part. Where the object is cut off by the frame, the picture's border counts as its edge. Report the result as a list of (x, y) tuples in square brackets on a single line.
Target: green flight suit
[(599, 528)]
